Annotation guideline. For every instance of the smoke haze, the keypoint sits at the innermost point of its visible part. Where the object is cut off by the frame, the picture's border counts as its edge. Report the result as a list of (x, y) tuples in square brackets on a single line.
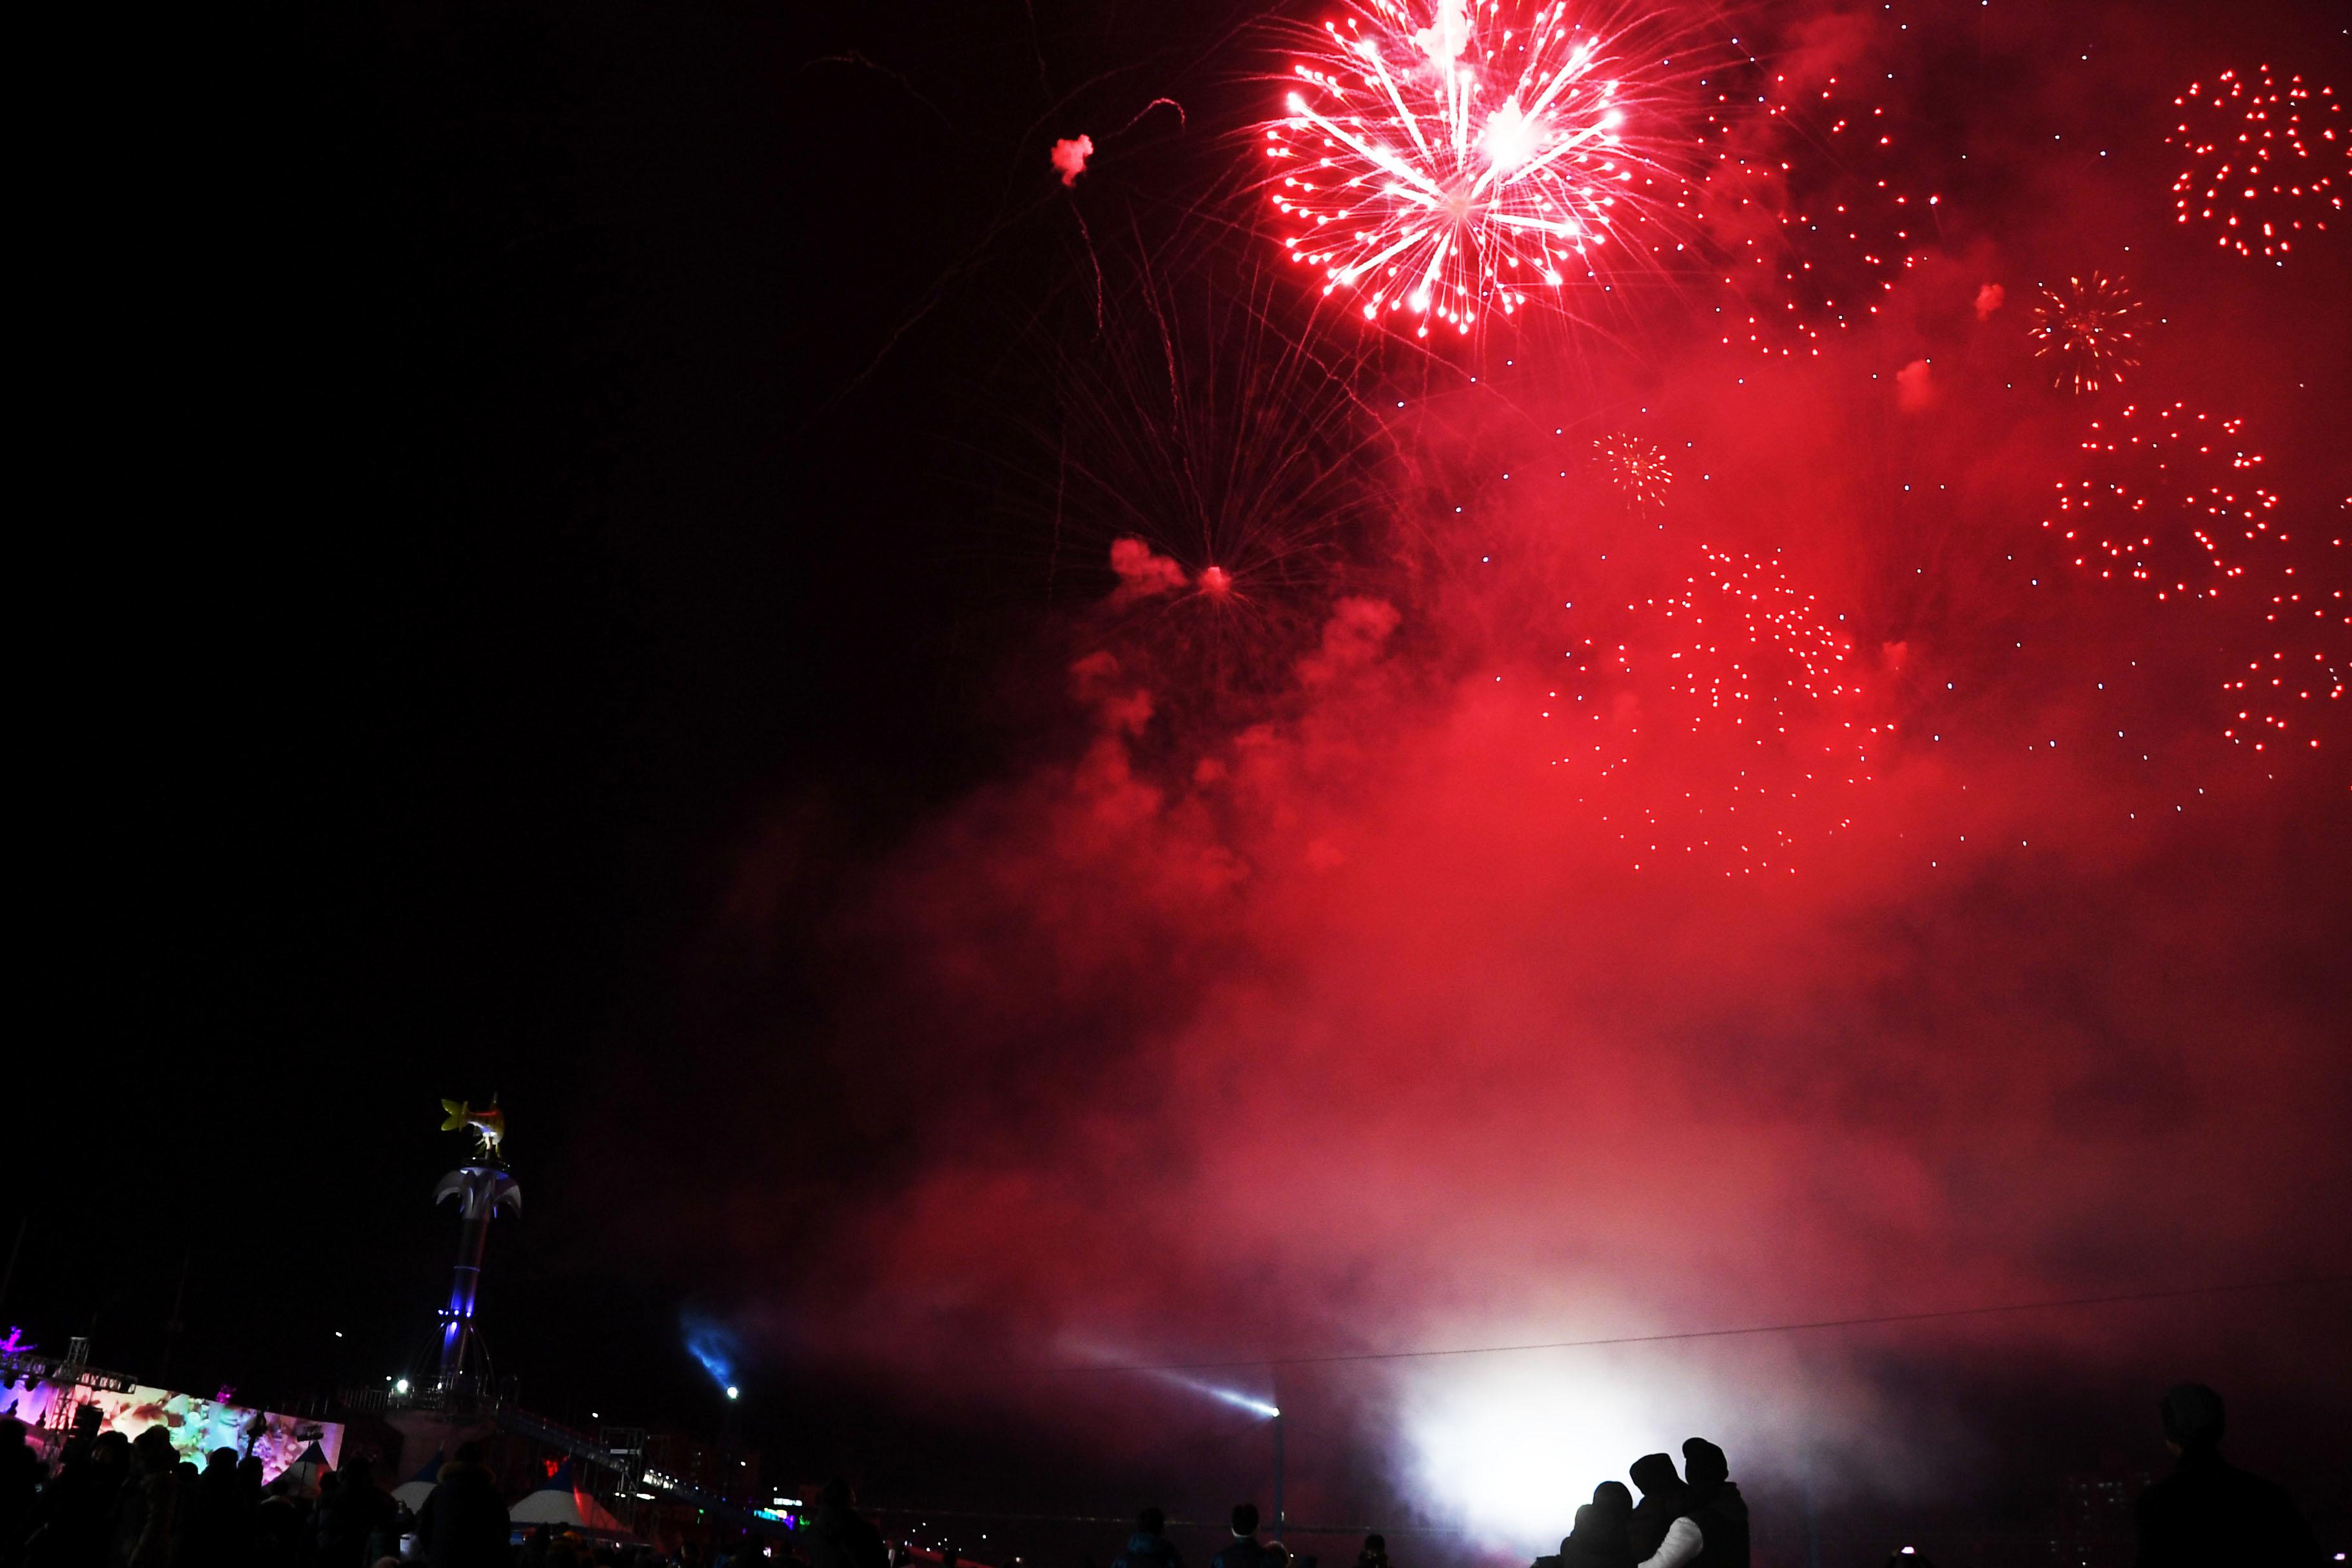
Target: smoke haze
[(1531, 949)]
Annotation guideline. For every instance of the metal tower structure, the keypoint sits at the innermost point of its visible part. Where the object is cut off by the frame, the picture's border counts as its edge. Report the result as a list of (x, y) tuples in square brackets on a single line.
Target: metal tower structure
[(482, 1187)]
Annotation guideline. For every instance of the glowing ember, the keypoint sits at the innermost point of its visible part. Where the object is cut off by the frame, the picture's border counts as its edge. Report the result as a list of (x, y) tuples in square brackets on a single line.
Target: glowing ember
[(2087, 331), (1444, 159), (2264, 159)]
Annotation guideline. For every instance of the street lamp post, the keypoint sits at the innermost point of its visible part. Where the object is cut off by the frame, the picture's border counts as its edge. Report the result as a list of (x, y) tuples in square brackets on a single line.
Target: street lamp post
[(1277, 1475)]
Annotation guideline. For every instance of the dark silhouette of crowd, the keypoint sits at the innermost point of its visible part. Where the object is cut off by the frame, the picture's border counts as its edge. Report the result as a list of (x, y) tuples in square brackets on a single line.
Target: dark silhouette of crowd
[(2207, 1514), (1694, 1518), (114, 1501), (134, 1503)]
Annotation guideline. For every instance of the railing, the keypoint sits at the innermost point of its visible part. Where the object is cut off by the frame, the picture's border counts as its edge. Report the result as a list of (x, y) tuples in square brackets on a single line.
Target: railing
[(27, 1366), (501, 1412)]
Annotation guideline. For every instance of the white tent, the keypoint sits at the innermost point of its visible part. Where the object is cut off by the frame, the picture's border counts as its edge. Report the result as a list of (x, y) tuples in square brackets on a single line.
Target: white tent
[(411, 1493), (560, 1504)]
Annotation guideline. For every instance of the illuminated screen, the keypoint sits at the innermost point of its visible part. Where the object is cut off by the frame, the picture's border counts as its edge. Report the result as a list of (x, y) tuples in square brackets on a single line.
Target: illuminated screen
[(196, 1425)]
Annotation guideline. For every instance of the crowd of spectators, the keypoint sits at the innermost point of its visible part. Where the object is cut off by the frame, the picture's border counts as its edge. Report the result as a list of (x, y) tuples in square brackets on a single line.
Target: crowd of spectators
[(114, 1501)]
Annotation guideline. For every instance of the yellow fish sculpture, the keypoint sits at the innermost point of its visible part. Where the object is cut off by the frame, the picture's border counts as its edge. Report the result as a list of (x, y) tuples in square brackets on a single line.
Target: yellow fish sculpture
[(489, 1126)]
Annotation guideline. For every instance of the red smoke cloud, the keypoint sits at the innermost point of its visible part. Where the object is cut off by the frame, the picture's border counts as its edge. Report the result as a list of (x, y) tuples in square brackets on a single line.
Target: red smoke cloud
[(1143, 573), (1070, 154), (1537, 945), (1365, 1023)]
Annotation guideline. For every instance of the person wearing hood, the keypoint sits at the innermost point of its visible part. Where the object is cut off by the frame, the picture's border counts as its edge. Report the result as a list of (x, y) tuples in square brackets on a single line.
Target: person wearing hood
[(1712, 1531), (1600, 1538), (1662, 1503), (464, 1522), (2209, 1512), (1149, 1547)]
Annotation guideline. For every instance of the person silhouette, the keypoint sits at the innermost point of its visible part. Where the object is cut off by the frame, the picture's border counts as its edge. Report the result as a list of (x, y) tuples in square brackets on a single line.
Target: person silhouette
[(1244, 1550), (1662, 1503), (2209, 1511), (1711, 1531), (1600, 1539), (1149, 1547)]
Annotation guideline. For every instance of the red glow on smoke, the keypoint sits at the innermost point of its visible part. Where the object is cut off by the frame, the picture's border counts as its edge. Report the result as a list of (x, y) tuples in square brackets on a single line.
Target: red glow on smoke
[(1506, 876)]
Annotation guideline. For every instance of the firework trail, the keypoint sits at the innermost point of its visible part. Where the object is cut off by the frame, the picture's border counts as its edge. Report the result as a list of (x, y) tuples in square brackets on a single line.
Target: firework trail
[(2087, 333), (1221, 470), (2266, 162), (1441, 161)]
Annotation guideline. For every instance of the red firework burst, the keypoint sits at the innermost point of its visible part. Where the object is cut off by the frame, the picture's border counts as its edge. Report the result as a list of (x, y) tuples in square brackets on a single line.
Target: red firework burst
[(2168, 501), (2266, 161), (1443, 158), (1728, 719), (2087, 332), (1805, 207)]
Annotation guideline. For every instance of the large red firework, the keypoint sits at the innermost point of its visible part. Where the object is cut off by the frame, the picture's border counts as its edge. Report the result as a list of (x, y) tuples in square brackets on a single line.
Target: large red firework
[(1440, 159)]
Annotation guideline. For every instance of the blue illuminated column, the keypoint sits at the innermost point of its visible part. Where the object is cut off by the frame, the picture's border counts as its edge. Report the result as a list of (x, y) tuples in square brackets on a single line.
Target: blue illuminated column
[(480, 1191)]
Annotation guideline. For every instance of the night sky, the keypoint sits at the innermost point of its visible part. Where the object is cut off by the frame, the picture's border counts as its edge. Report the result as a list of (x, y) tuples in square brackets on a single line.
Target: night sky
[(658, 565)]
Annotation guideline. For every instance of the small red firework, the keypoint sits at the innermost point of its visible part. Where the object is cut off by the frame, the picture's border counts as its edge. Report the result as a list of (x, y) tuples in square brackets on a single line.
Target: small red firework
[(1635, 466), (2266, 161), (2088, 332)]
